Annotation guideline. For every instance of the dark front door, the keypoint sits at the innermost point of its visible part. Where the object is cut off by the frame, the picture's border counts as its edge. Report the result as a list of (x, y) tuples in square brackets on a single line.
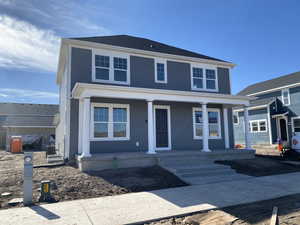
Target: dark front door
[(283, 131), (161, 124)]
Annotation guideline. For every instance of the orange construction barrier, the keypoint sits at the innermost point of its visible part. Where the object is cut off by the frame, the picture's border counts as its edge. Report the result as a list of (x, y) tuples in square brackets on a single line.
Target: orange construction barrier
[(16, 144)]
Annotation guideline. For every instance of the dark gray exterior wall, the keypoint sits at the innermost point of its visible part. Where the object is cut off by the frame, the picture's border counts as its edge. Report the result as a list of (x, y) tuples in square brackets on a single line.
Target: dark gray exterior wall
[(181, 128), (142, 73), (256, 138)]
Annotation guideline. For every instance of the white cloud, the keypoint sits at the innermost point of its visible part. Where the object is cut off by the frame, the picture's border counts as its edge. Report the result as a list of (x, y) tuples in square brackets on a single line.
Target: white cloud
[(23, 45), (25, 94)]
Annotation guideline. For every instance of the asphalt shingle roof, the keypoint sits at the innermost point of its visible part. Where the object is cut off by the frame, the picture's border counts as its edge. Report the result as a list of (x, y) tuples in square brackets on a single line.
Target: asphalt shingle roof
[(144, 44), (34, 115), (270, 84), (259, 102)]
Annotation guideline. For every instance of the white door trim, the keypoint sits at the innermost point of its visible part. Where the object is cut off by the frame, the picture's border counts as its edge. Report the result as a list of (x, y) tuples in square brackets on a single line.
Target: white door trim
[(169, 125), (279, 128)]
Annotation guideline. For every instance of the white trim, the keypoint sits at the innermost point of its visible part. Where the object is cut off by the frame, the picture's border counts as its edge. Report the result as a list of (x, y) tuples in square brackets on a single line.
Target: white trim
[(82, 90), (275, 89), (168, 108), (151, 149), (110, 122), (111, 55), (86, 128), (289, 97), (164, 62), (258, 126), (219, 123), (226, 128), (68, 106), (29, 126), (269, 125), (204, 79), (292, 120), (80, 126)]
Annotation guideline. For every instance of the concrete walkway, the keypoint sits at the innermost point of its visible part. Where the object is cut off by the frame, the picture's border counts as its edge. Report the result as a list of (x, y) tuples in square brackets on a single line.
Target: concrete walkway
[(137, 207)]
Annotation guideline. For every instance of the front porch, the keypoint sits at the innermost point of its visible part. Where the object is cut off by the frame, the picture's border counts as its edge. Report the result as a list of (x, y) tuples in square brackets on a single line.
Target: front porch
[(150, 122), (104, 161)]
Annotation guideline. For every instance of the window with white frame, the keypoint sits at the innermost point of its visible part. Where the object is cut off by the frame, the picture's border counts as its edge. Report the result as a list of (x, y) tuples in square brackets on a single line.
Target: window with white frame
[(285, 95), (236, 118), (160, 71), (111, 69), (296, 124), (256, 126), (204, 79), (214, 123), (110, 121)]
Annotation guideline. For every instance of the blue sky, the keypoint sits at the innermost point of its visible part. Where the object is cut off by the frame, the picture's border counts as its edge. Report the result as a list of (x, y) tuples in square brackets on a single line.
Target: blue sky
[(260, 36)]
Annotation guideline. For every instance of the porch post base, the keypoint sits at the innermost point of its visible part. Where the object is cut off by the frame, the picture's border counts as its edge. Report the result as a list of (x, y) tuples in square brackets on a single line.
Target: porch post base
[(85, 155), (150, 153), (205, 150)]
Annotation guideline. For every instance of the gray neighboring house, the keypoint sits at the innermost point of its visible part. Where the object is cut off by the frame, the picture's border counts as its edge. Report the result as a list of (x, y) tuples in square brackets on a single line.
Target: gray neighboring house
[(20, 119), (124, 96), (275, 114)]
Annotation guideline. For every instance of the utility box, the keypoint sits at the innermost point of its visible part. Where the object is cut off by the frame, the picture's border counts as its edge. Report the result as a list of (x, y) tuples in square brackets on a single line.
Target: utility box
[(16, 145), (27, 178)]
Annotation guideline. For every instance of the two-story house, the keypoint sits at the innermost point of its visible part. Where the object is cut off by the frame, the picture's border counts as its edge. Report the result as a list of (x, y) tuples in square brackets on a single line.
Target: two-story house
[(126, 95), (275, 114)]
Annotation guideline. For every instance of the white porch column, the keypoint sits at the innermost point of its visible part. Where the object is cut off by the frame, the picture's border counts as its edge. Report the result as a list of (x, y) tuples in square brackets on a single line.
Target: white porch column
[(246, 122), (86, 128), (151, 149), (205, 128), (226, 129)]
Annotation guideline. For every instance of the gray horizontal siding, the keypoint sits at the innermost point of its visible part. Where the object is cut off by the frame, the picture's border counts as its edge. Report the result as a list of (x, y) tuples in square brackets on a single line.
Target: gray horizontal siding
[(142, 73), (256, 138)]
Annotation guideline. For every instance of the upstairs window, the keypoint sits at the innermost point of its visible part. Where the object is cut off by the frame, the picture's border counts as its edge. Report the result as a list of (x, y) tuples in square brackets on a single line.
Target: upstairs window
[(160, 71), (204, 79), (285, 95), (110, 69)]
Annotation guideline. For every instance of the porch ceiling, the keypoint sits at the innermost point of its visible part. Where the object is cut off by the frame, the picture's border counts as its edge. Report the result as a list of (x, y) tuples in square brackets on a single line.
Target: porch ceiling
[(84, 90)]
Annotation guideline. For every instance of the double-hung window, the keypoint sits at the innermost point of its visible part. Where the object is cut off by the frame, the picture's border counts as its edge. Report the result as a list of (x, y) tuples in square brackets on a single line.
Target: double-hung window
[(257, 126), (214, 124), (204, 79), (285, 95), (160, 71), (110, 121), (296, 124), (110, 68)]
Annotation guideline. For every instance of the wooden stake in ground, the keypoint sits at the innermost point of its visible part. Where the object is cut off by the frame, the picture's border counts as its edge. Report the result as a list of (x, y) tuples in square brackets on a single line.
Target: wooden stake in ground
[(274, 218)]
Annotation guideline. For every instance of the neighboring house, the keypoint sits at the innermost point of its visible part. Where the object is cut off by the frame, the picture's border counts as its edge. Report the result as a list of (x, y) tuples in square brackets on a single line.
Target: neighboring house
[(26, 120), (275, 114), (128, 94)]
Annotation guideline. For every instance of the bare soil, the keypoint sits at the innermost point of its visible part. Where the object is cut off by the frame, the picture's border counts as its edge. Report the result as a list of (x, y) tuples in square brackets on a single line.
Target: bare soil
[(257, 213), (69, 183), (262, 166)]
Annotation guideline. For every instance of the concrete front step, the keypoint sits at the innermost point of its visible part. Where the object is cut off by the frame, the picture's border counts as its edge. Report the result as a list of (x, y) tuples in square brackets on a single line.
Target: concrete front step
[(202, 167), (214, 179)]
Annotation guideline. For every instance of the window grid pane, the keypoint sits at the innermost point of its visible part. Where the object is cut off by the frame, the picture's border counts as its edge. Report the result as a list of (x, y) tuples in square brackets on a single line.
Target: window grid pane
[(213, 126), (102, 61), (160, 69), (119, 130), (197, 72), (101, 114), (119, 115), (101, 130), (197, 83), (120, 63)]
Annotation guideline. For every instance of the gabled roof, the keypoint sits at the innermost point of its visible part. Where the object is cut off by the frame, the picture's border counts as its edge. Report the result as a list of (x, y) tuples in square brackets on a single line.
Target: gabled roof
[(128, 41), (259, 102), (278, 82), (28, 109)]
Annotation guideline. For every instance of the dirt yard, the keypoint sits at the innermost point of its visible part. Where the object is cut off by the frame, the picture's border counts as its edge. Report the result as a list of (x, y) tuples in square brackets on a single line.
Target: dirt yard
[(258, 213), (69, 183), (262, 166)]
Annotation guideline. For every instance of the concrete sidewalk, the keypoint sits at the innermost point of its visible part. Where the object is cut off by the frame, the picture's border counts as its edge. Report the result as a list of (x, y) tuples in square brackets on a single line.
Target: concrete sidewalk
[(137, 207)]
